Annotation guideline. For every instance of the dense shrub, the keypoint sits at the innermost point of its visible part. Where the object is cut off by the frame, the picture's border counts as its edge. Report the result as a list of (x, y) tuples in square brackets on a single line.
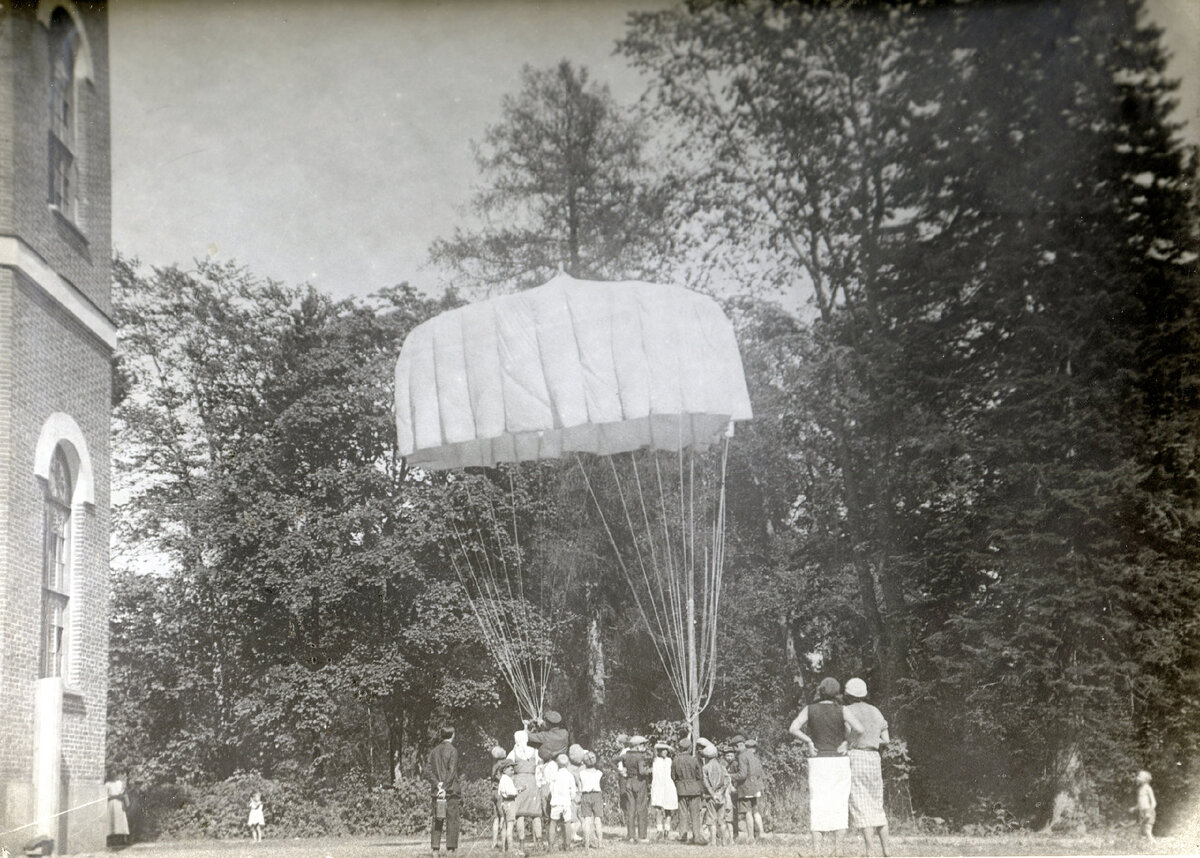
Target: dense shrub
[(297, 808)]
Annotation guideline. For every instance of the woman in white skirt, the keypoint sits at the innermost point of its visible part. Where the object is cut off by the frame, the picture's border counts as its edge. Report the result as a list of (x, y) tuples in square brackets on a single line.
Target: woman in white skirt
[(825, 728)]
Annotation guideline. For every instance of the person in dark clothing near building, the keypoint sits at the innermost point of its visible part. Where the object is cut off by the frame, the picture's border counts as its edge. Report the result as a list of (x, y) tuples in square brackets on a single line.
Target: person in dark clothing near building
[(689, 785), (637, 791), (550, 738), (442, 774)]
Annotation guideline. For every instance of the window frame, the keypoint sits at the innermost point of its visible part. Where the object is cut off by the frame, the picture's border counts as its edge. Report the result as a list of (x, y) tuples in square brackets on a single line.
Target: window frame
[(54, 636)]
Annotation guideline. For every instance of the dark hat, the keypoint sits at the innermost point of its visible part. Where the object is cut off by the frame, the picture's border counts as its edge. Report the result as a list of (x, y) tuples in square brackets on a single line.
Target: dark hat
[(508, 764), (553, 717)]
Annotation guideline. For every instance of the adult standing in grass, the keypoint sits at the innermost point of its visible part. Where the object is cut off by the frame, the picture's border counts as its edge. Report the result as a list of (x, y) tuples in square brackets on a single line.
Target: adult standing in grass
[(118, 804), (829, 727), (529, 805), (866, 773), (442, 774)]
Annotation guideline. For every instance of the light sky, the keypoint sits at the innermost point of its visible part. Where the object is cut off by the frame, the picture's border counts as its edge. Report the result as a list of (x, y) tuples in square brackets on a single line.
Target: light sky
[(326, 142), (329, 142)]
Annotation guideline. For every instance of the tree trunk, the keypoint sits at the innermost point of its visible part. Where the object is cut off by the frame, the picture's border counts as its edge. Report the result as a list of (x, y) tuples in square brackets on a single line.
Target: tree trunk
[(1070, 792), (596, 672), (395, 740)]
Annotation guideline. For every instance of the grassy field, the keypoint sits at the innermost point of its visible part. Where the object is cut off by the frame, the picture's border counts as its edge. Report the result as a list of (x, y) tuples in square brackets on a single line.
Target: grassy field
[(773, 845)]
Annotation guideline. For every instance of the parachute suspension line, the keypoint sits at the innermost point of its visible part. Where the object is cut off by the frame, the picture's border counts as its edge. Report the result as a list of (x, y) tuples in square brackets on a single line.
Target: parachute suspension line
[(537, 663), (504, 619), (715, 570), (668, 602), (532, 665), (676, 586), (658, 638), (514, 628), (688, 536), (491, 624), (665, 572)]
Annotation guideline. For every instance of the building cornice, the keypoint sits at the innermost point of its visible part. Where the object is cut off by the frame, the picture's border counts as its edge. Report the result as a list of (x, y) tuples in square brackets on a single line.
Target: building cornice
[(18, 255)]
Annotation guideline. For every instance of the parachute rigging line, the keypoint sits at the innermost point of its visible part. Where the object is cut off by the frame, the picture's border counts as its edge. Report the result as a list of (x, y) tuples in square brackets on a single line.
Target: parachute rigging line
[(676, 592), (515, 635)]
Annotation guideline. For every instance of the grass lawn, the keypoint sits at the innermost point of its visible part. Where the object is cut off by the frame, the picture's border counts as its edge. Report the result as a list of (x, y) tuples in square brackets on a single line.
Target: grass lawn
[(1119, 843)]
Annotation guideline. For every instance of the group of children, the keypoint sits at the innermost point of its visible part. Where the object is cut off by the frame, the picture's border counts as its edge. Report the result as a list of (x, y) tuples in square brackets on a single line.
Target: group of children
[(705, 801), (568, 792), (568, 788), (563, 794)]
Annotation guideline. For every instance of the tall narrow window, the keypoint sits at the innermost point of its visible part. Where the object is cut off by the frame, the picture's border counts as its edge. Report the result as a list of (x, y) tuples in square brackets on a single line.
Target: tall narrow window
[(64, 43), (56, 566)]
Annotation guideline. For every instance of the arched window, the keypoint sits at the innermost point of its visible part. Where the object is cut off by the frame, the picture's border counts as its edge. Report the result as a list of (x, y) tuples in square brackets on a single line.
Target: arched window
[(64, 171), (56, 566)]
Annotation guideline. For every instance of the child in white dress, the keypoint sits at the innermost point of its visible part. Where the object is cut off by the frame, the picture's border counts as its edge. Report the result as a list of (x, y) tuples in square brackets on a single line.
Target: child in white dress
[(255, 820), (663, 797)]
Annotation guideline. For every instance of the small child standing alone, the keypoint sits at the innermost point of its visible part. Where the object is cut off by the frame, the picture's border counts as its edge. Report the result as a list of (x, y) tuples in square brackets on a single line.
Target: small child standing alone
[(1146, 805), (255, 820)]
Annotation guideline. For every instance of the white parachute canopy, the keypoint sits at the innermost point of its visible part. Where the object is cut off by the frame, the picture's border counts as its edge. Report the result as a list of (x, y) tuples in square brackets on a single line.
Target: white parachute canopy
[(569, 367), (603, 368)]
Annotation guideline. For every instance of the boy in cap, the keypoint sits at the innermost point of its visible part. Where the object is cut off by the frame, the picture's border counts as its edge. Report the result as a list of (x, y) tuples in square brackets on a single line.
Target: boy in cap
[(689, 785), (637, 795), (506, 792), (735, 746), (716, 794), (750, 782)]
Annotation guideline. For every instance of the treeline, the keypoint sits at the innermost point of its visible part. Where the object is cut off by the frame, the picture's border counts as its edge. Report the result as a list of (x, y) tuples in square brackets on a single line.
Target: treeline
[(972, 478)]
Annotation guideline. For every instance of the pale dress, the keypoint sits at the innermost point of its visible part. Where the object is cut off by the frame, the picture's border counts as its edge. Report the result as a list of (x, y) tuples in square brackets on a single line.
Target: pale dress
[(118, 822), (662, 786)]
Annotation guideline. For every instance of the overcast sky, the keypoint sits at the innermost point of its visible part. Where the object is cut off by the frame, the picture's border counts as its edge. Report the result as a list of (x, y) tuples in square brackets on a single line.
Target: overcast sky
[(329, 142)]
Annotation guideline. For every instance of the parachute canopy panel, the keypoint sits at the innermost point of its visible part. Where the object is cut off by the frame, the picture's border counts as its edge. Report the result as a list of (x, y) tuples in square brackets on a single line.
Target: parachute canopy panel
[(571, 366)]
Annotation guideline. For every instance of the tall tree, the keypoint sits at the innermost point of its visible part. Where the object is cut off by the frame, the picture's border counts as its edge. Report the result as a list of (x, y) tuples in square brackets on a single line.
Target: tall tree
[(965, 213), (566, 186), (297, 615)]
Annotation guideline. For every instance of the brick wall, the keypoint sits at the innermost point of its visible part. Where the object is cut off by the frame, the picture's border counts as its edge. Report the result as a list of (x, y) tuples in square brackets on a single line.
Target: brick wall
[(50, 362), (79, 252)]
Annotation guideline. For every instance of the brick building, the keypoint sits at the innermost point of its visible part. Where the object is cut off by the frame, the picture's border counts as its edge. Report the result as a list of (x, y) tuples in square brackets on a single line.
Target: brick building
[(56, 342)]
